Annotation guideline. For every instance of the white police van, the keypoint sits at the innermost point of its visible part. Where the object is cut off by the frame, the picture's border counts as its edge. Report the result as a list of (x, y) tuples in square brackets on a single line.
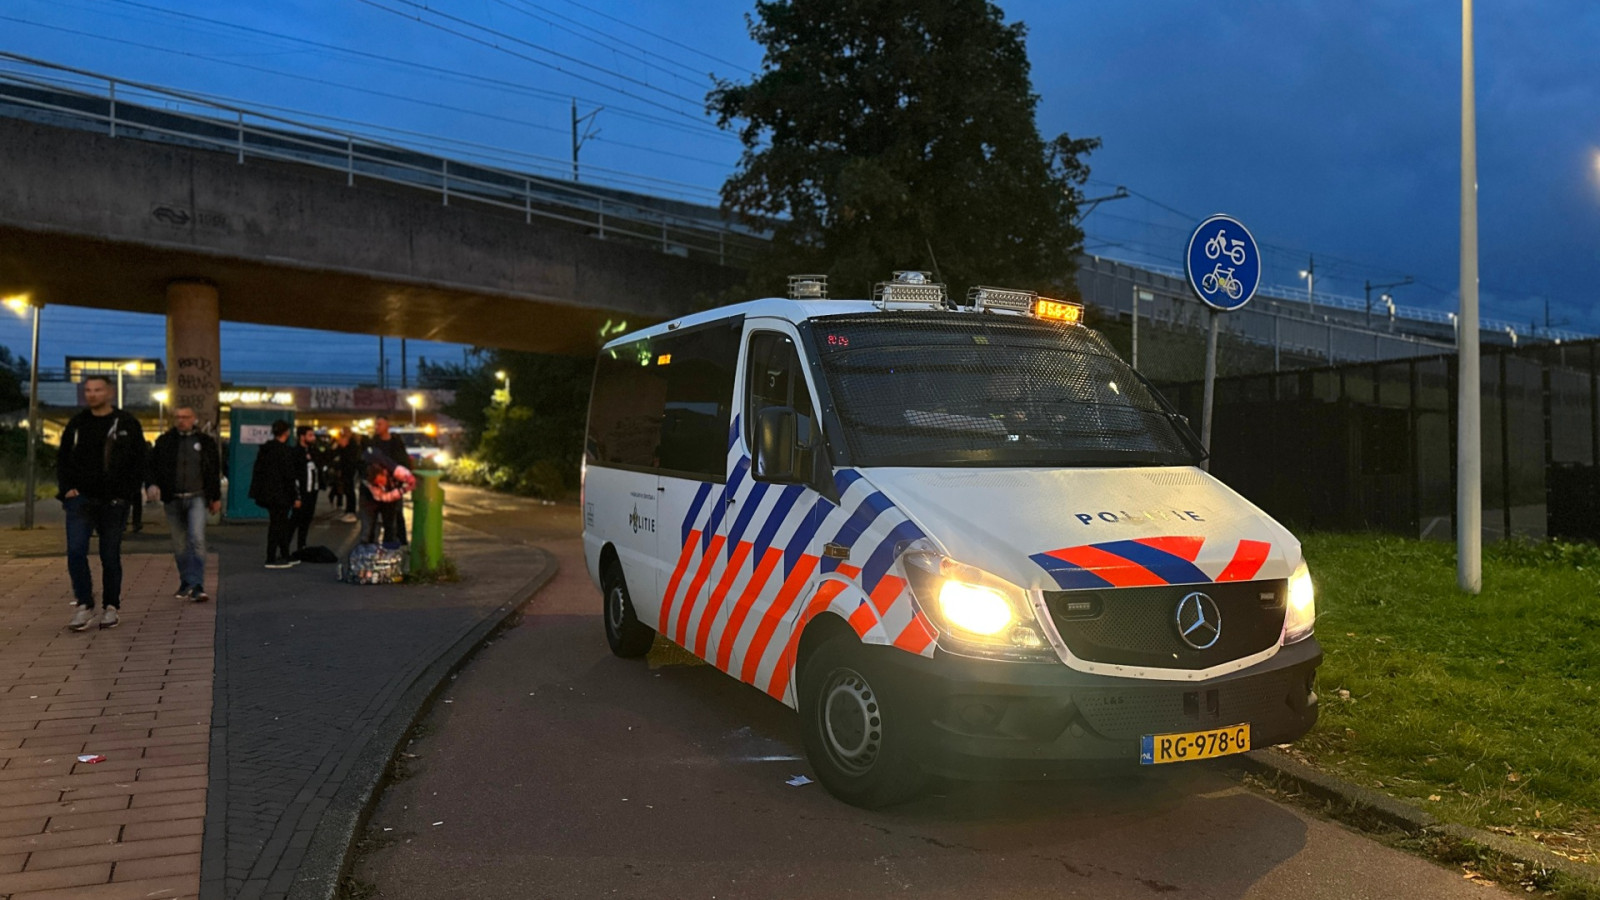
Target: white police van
[(959, 540)]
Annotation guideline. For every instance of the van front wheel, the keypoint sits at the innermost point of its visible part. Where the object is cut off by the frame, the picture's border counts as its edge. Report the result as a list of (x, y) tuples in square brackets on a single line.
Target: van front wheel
[(627, 636), (859, 732)]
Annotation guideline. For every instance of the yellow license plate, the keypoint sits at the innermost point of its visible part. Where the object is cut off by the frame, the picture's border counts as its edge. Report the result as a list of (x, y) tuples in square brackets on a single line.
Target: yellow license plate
[(1155, 749)]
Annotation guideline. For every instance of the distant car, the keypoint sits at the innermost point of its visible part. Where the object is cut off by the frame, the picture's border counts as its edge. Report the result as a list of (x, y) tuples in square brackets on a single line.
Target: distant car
[(423, 447)]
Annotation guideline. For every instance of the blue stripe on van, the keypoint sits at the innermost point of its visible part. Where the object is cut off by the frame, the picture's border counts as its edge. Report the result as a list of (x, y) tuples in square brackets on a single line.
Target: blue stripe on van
[(865, 513), (1068, 576), (776, 518), (720, 508), (694, 512), (884, 556), (804, 534), (1171, 568), (843, 478), (751, 502)]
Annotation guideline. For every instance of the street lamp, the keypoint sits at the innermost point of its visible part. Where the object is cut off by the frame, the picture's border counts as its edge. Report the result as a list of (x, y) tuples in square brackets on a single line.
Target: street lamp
[(415, 402), (1382, 287), (17, 305), (161, 398), (131, 366), (502, 376), (1309, 273)]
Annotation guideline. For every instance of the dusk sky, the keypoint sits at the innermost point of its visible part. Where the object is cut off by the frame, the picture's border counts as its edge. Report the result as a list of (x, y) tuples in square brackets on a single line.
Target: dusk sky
[(1328, 128)]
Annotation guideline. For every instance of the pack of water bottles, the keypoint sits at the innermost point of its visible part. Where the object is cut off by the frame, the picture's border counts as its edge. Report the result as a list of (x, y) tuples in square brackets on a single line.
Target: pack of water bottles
[(376, 564)]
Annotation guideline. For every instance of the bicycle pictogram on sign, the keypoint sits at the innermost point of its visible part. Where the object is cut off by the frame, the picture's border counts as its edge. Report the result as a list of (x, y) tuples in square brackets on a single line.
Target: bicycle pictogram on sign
[(1223, 263)]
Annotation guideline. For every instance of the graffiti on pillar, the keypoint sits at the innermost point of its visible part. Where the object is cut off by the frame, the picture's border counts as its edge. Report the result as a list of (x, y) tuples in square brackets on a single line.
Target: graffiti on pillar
[(195, 385)]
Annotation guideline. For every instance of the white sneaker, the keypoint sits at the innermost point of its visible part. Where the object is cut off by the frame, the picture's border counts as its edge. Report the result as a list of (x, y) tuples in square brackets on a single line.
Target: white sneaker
[(348, 517), (279, 565), (82, 619), (109, 618)]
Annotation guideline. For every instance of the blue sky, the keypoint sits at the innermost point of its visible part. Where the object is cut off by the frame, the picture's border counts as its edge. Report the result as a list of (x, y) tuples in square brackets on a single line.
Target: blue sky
[(1329, 128)]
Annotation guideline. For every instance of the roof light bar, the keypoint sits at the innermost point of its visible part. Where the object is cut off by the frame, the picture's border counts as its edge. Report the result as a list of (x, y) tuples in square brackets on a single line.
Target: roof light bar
[(993, 299), (909, 290), (808, 287)]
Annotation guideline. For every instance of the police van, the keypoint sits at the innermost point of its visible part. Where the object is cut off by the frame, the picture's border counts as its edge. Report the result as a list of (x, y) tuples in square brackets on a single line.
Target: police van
[(958, 539)]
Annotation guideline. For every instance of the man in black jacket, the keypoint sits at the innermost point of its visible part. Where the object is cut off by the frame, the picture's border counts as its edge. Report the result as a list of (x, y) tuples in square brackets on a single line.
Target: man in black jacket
[(274, 488), (186, 475), (308, 474), (387, 449), (99, 466)]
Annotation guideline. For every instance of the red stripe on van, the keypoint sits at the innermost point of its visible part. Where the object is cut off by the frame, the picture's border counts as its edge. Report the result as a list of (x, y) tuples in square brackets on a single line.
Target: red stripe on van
[(917, 635), (677, 576), (741, 608), (691, 597), (785, 668), (803, 569), (720, 595), (863, 619), (1113, 568), (883, 596), (1247, 561), (1187, 548)]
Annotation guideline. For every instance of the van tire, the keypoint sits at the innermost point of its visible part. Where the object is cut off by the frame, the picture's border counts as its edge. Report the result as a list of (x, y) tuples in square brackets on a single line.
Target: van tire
[(627, 636), (858, 727)]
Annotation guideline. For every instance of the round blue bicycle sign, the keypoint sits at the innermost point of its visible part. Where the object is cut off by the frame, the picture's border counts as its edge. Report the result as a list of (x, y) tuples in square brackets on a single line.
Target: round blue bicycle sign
[(1223, 263)]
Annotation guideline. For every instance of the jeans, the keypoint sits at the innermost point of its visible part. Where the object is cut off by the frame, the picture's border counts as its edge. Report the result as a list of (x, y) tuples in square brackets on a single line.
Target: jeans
[(302, 518), (387, 515), (85, 517), (280, 528), (186, 516)]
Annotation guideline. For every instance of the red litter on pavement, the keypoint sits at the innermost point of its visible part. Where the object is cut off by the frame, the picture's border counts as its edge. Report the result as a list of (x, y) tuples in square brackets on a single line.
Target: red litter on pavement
[(91, 758)]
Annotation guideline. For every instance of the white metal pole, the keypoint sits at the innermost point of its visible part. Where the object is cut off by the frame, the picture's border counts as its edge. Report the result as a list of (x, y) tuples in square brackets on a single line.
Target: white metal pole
[(1211, 383), (32, 486), (1135, 359), (1469, 424)]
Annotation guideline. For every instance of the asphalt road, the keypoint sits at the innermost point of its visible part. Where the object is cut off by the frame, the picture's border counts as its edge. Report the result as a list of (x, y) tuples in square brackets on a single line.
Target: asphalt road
[(550, 769)]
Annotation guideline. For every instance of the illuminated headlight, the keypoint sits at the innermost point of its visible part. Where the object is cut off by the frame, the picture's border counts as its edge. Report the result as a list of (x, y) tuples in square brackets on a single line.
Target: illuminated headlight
[(977, 614), (1301, 616)]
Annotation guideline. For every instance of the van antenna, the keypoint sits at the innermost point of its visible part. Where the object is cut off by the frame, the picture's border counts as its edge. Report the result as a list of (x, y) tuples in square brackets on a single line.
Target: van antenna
[(937, 275)]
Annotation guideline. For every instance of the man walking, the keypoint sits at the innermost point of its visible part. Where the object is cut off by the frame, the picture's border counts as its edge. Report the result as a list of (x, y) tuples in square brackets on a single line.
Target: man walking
[(273, 487), (347, 468), (308, 474), (186, 475), (99, 466)]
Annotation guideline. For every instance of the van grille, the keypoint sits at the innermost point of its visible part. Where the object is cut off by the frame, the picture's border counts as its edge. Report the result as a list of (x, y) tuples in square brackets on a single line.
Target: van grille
[(1138, 626)]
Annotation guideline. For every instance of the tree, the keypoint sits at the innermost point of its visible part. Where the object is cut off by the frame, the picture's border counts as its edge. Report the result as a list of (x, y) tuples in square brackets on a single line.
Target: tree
[(900, 134)]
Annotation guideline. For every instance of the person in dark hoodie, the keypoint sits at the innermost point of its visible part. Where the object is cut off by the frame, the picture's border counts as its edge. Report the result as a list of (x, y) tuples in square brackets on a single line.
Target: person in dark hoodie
[(274, 487), (186, 475), (100, 465)]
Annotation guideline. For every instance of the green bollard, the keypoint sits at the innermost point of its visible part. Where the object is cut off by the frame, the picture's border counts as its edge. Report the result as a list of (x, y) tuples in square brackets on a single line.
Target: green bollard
[(427, 522)]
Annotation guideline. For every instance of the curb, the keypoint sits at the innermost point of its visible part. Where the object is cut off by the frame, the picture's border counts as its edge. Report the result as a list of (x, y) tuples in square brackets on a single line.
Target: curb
[(328, 855), (1407, 818)]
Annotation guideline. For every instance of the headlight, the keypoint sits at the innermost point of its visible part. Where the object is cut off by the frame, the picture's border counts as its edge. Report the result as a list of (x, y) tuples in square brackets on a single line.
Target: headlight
[(977, 614), (1301, 615)]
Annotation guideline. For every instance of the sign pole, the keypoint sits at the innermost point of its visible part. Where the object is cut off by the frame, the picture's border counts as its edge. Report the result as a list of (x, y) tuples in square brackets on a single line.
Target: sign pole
[(1136, 293), (1469, 424), (1211, 386)]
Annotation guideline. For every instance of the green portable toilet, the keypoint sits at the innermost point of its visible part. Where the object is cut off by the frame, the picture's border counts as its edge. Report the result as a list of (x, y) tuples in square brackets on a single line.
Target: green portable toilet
[(251, 426)]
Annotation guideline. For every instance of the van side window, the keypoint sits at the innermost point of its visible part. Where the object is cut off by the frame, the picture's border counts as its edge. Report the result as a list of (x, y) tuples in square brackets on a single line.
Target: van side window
[(630, 395), (774, 378), (698, 368)]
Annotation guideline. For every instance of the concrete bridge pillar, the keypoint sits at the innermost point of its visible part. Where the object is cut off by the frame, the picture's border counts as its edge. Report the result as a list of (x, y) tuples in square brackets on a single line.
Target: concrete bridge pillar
[(194, 350)]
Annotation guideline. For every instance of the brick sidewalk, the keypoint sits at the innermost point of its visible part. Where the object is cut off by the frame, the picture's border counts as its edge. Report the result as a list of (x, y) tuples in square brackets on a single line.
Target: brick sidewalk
[(139, 694)]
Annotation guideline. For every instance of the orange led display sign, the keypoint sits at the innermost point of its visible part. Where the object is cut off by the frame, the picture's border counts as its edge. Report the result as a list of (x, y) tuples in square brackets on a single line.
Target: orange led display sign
[(1058, 311)]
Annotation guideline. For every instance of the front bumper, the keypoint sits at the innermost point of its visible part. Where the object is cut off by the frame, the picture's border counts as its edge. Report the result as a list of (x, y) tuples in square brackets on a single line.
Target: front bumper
[(1006, 719)]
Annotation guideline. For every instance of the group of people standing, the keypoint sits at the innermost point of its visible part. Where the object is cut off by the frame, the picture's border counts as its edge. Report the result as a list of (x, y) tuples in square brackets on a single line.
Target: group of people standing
[(105, 465), (287, 481)]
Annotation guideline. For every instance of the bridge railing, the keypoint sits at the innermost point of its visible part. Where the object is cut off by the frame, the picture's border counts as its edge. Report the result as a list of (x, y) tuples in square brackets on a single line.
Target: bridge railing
[(76, 98)]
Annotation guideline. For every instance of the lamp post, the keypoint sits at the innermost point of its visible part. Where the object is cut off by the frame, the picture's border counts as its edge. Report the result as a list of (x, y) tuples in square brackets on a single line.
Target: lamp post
[(161, 398), (502, 376), (1382, 287), (414, 401), (1309, 273), (17, 305), (1469, 421), (130, 367)]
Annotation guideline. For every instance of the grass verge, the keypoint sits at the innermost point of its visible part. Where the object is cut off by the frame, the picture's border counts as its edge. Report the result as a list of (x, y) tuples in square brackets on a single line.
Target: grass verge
[(1483, 710)]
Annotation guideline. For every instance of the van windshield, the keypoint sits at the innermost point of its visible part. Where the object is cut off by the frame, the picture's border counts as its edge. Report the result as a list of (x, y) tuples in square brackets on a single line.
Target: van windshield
[(954, 389)]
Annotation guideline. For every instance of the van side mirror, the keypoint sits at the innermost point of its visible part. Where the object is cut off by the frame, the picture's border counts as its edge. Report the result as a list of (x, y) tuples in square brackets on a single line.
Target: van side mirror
[(779, 444)]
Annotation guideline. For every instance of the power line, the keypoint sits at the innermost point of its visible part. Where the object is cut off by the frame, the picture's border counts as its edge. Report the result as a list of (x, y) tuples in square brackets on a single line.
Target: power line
[(500, 34), (662, 38), (704, 128), (526, 8)]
